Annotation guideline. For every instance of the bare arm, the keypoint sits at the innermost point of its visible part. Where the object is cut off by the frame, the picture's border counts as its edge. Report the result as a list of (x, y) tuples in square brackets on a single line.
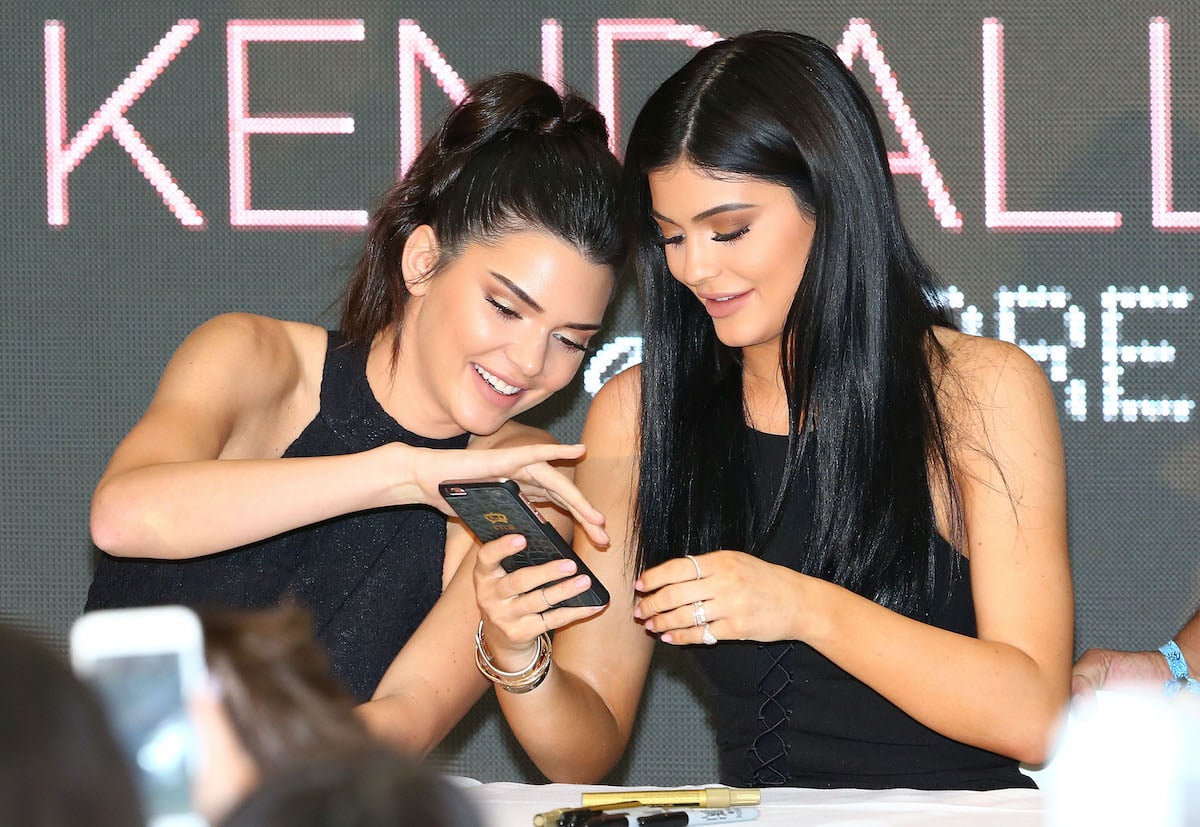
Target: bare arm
[(575, 726), (1188, 639), (1102, 668), (433, 681), (1002, 691), (1005, 690), (201, 471), (191, 477)]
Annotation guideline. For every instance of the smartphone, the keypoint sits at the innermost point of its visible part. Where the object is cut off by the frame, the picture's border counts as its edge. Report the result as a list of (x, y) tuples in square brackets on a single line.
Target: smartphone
[(493, 508), (144, 663)]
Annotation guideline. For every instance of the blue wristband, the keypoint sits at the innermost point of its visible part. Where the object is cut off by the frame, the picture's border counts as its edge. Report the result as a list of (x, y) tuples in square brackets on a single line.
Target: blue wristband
[(1190, 686), (1175, 661), (1181, 680)]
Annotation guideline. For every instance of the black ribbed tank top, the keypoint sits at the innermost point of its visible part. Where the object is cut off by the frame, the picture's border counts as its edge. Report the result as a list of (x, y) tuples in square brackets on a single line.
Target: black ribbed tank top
[(369, 578), (786, 715)]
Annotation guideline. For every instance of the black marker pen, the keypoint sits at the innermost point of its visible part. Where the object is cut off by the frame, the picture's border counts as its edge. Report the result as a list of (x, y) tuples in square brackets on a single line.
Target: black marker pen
[(674, 818), (682, 818)]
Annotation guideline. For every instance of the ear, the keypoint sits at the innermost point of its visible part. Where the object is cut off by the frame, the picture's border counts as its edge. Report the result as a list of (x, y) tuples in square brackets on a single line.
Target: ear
[(418, 259)]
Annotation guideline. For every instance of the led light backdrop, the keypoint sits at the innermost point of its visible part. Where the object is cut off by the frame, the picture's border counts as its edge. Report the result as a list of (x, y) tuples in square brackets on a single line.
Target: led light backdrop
[(163, 163)]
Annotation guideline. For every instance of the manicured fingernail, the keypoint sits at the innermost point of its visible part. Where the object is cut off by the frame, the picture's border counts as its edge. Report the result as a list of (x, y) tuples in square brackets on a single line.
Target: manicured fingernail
[(565, 566), (666, 638), (637, 585), (637, 612), (516, 540)]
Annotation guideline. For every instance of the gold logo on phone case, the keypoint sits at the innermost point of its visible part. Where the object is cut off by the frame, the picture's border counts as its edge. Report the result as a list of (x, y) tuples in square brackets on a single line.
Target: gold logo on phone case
[(494, 517)]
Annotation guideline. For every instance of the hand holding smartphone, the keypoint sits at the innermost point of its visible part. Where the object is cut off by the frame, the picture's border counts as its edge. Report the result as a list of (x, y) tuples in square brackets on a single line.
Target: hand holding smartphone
[(493, 508), (144, 664)]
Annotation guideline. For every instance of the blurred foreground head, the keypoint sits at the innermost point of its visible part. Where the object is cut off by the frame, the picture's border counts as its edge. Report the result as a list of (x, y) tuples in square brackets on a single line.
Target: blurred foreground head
[(60, 765), (277, 686), (367, 786)]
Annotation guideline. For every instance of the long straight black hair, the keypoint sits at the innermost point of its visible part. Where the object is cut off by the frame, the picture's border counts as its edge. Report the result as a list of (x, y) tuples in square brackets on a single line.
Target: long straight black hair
[(858, 347)]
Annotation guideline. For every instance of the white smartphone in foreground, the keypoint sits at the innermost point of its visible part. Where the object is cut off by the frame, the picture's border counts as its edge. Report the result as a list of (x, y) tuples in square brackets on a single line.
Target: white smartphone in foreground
[(144, 664)]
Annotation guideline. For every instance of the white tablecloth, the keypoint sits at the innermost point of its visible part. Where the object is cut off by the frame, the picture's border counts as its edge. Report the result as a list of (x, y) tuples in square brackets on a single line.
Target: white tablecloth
[(514, 805)]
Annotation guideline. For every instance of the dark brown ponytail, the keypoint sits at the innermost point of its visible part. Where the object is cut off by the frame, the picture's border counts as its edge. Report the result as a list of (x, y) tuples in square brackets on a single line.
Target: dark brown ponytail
[(515, 154)]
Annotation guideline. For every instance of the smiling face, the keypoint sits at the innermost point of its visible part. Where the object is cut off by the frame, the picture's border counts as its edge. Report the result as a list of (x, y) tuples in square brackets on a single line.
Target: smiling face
[(739, 244), (495, 331)]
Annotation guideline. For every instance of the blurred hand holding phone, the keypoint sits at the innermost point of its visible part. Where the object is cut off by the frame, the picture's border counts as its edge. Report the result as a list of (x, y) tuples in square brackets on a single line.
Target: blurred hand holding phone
[(145, 664)]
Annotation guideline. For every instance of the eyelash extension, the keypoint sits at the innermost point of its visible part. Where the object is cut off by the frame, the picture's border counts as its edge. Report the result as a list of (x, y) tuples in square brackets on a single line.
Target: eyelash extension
[(721, 237), (573, 345), (508, 313), (736, 234), (504, 310)]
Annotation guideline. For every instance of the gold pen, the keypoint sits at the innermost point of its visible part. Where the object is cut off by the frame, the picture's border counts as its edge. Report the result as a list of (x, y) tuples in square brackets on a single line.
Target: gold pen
[(550, 818), (568, 816), (705, 797)]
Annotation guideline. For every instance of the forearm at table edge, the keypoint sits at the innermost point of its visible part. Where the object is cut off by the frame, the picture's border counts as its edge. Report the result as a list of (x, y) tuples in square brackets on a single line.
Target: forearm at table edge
[(566, 728)]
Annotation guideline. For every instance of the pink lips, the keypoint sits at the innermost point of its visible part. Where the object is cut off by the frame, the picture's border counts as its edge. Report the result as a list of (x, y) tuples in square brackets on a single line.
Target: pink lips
[(498, 399), (720, 305)]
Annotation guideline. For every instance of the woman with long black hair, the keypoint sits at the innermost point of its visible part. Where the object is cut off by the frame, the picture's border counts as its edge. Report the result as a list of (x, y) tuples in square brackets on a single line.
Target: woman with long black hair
[(858, 508)]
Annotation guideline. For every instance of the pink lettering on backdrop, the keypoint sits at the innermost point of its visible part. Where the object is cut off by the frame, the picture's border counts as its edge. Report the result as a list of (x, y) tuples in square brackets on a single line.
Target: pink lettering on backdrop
[(62, 158), (1162, 165), (552, 53), (238, 34), (416, 48), (858, 38), (611, 30), (997, 214)]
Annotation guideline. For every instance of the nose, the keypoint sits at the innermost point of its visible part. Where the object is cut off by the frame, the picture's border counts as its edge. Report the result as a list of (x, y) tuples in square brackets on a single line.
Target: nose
[(527, 353), (699, 263)]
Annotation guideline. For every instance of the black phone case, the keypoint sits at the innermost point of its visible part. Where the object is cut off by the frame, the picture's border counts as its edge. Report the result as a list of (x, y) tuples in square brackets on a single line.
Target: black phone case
[(493, 508)]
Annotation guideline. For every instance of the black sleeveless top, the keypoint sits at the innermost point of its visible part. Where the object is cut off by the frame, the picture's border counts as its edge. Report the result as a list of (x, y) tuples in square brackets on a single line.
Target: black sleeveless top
[(786, 715), (369, 578)]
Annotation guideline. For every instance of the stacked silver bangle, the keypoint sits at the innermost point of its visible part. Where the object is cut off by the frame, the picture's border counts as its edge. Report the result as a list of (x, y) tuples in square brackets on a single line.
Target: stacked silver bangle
[(527, 679)]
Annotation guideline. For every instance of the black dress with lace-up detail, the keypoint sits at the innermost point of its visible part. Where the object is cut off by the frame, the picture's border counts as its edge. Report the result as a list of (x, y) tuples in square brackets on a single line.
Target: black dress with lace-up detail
[(785, 715)]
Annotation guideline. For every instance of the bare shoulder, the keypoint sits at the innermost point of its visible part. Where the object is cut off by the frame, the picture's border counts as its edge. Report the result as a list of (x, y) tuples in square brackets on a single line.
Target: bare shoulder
[(251, 340), (248, 353), (1000, 414), (989, 375), (616, 409), (250, 382)]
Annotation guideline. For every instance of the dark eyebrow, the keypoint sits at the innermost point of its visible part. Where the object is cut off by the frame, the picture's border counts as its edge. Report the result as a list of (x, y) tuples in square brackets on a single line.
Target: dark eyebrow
[(533, 305), (709, 213)]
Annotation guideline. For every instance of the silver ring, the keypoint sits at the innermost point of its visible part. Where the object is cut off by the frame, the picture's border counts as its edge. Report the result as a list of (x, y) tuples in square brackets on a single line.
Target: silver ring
[(542, 592), (695, 563), (709, 638), (699, 616), (542, 615)]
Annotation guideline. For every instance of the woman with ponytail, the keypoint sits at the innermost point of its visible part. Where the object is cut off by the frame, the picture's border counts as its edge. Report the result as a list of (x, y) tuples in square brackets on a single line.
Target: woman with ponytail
[(852, 514), (278, 460)]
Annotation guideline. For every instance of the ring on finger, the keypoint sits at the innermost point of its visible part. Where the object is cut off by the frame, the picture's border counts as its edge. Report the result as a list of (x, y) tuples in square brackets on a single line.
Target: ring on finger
[(542, 615), (699, 615), (695, 563), (545, 600), (709, 638)]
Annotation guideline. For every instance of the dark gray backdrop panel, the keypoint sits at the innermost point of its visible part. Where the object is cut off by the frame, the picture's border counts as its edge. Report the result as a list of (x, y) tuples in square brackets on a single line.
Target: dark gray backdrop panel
[(92, 310)]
